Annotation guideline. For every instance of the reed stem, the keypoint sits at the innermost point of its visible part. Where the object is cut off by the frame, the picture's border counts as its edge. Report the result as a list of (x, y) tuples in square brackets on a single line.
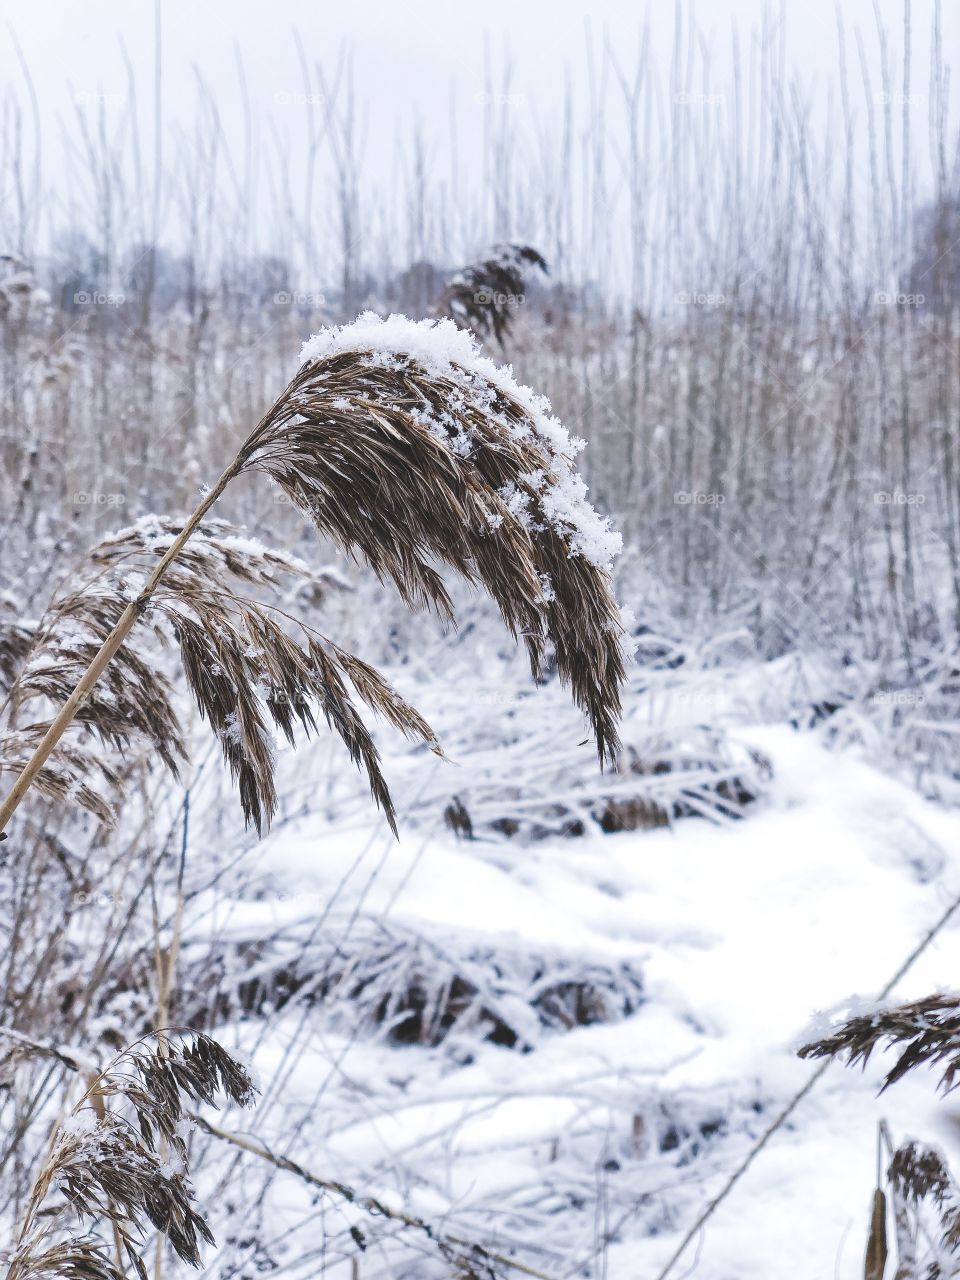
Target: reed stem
[(125, 624)]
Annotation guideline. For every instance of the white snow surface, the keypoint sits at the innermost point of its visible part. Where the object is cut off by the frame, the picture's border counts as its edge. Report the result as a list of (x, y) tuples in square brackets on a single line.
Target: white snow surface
[(745, 934)]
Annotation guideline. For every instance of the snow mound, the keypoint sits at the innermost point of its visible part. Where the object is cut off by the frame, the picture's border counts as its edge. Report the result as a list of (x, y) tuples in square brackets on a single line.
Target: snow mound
[(739, 932)]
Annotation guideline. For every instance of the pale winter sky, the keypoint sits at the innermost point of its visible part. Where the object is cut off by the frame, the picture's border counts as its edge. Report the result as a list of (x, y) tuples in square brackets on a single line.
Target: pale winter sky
[(413, 62), (410, 58)]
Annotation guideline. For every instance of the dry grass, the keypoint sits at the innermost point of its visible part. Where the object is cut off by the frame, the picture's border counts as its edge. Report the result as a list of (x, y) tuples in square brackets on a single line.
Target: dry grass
[(123, 1158), (246, 672), (535, 787), (409, 471), (928, 1030), (484, 297), (404, 468), (926, 1033), (409, 988)]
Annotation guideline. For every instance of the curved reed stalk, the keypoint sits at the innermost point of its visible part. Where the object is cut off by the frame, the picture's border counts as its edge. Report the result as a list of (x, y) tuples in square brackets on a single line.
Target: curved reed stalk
[(411, 451)]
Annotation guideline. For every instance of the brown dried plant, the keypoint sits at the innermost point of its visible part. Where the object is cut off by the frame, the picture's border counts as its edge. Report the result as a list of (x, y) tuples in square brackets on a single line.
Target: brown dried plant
[(122, 1157), (46, 659), (406, 460), (921, 1185), (928, 1030), (245, 671), (483, 296), (926, 1033)]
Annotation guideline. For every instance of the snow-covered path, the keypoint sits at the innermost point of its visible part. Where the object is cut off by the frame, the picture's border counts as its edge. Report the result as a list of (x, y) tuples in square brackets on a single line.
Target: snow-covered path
[(741, 934)]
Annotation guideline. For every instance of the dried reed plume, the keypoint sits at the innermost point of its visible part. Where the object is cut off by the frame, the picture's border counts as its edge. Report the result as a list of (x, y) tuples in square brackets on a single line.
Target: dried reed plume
[(927, 1033), (41, 662), (482, 297), (410, 451), (929, 1029), (918, 1174), (126, 1164), (244, 670)]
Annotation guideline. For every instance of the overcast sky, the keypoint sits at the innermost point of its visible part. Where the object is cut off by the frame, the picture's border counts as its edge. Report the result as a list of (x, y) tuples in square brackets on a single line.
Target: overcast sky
[(407, 55), (412, 61)]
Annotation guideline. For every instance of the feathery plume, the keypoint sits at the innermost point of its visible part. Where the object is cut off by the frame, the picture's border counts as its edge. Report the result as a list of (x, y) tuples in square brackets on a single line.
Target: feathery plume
[(929, 1030), (126, 1165), (411, 451)]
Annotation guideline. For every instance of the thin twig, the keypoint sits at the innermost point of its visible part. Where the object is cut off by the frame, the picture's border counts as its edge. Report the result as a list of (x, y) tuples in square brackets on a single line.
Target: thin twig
[(368, 1204), (795, 1101)]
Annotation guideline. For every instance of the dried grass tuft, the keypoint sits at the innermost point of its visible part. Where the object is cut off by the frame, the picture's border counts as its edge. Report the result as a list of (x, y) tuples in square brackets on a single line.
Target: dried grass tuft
[(407, 469), (918, 1175), (533, 788), (126, 1165), (42, 662), (412, 989), (929, 1030), (482, 297), (247, 673)]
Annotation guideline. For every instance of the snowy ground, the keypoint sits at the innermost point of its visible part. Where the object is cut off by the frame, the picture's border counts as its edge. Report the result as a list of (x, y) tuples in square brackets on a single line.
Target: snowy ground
[(623, 1129)]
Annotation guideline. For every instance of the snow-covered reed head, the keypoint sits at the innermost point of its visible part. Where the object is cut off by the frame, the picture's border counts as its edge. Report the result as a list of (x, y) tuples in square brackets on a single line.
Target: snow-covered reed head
[(410, 449), (121, 1157)]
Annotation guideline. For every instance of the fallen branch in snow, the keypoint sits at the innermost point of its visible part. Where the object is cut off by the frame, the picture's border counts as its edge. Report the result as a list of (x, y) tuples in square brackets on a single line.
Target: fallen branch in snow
[(408, 986), (454, 1248)]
